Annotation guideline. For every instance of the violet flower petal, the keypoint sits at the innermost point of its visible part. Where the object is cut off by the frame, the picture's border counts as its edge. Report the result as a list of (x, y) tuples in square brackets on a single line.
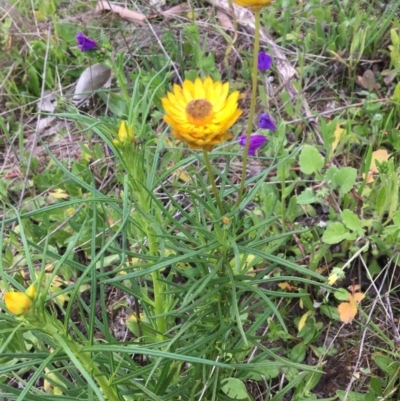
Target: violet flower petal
[(85, 43), (242, 140), (266, 122), (264, 61), (256, 141)]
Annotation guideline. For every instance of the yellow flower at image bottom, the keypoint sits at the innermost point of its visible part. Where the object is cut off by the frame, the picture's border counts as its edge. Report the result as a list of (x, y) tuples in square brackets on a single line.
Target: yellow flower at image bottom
[(255, 4), (17, 303), (201, 112)]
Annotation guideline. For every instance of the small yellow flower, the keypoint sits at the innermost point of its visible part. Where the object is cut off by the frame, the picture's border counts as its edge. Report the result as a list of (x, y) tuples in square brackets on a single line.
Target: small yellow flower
[(226, 220), (125, 134), (254, 4), (70, 211), (201, 112), (31, 292), (17, 303), (332, 279)]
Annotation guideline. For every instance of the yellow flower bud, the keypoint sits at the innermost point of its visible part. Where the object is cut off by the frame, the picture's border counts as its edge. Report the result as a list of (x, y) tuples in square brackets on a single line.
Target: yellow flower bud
[(226, 220), (332, 279), (31, 292), (125, 133), (17, 303)]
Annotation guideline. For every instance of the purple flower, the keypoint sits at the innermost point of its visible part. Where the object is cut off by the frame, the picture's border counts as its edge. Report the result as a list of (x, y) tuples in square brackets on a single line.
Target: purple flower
[(264, 61), (256, 141), (85, 43), (266, 122)]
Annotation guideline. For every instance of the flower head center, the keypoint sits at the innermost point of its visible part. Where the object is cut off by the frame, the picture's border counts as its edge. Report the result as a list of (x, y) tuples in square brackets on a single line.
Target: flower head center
[(199, 112)]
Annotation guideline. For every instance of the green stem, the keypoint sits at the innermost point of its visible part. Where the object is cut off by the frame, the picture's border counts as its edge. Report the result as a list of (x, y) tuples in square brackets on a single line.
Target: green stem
[(121, 80), (212, 180), (52, 329), (136, 175), (158, 287), (257, 15), (122, 84), (283, 197)]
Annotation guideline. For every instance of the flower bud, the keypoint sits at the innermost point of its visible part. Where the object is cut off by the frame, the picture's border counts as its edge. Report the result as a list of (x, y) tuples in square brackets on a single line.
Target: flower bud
[(226, 220), (125, 133), (31, 292), (17, 303)]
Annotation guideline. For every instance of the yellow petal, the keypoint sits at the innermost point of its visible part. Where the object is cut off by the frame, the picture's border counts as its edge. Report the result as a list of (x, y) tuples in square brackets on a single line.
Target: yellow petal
[(253, 3), (125, 132), (199, 92), (184, 111), (17, 303), (188, 90)]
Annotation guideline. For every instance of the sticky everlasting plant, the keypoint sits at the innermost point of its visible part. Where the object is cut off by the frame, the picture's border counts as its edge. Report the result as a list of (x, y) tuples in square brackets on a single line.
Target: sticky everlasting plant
[(200, 113)]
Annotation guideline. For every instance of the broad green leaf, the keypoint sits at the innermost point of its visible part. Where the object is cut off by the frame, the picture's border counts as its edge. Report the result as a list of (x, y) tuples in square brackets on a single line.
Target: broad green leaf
[(352, 221), (387, 364), (341, 294), (382, 200), (33, 81), (306, 197), (396, 218), (291, 212), (345, 179), (376, 385), (310, 160), (330, 174), (396, 96), (394, 38), (235, 389), (330, 311), (298, 352), (261, 373), (335, 233), (370, 396), (374, 268), (271, 372), (350, 396)]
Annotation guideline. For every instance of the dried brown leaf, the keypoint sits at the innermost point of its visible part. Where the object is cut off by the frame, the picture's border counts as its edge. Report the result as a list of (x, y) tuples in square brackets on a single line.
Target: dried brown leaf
[(225, 21), (123, 12), (176, 10), (348, 310)]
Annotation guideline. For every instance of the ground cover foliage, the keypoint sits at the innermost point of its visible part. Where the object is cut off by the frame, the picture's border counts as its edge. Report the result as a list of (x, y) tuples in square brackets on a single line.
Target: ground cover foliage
[(133, 269)]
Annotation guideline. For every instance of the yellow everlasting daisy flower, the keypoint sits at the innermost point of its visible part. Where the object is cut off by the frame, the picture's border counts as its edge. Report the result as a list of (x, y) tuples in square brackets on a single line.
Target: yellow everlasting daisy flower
[(17, 303), (254, 4), (201, 112)]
